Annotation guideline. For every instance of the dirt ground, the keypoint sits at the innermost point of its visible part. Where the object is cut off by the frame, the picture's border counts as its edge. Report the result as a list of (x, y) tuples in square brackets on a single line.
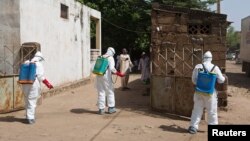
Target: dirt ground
[(71, 116)]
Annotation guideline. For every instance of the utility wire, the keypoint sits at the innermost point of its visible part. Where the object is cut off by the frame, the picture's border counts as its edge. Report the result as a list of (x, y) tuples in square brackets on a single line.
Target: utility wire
[(122, 27)]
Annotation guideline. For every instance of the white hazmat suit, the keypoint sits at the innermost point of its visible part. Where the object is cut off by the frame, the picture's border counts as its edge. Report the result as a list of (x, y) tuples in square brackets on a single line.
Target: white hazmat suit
[(32, 91), (203, 101), (104, 84)]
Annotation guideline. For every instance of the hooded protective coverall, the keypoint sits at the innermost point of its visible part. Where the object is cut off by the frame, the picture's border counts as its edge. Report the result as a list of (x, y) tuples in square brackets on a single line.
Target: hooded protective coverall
[(203, 101), (104, 83), (32, 91)]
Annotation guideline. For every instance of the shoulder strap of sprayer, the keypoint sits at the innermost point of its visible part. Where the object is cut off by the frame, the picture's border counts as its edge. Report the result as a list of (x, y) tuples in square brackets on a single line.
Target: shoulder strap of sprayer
[(104, 57), (206, 69)]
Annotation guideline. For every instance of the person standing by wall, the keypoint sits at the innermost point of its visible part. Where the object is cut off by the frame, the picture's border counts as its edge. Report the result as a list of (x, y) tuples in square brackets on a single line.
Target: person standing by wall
[(202, 101), (125, 68), (104, 84), (144, 66), (33, 91)]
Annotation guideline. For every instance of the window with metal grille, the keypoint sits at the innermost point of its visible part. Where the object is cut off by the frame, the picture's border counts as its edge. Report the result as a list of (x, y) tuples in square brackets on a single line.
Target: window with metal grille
[(64, 11), (199, 29), (28, 50)]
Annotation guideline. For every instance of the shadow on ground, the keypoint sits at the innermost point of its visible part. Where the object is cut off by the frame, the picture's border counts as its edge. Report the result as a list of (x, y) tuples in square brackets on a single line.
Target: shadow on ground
[(176, 129), (238, 80), (173, 128), (82, 111), (137, 100), (235, 75), (12, 119)]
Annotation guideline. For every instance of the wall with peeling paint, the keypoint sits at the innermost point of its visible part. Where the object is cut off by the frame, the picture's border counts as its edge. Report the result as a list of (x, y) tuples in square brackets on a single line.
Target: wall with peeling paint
[(9, 34), (65, 43)]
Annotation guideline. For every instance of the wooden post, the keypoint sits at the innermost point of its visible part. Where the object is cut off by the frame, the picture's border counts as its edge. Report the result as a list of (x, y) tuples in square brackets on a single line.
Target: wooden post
[(218, 6)]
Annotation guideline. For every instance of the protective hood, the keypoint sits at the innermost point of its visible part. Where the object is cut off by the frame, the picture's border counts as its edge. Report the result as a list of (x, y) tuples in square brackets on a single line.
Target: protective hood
[(207, 57), (110, 51)]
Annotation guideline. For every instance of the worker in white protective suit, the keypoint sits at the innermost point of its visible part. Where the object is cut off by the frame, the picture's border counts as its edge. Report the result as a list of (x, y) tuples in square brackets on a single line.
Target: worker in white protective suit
[(204, 101), (32, 91), (104, 84)]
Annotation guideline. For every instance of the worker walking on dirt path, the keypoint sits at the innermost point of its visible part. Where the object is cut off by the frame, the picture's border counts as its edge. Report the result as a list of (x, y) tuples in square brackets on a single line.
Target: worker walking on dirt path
[(203, 100), (104, 84), (33, 91)]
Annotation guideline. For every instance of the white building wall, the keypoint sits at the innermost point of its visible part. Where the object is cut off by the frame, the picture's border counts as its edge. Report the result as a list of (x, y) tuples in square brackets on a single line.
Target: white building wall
[(65, 43)]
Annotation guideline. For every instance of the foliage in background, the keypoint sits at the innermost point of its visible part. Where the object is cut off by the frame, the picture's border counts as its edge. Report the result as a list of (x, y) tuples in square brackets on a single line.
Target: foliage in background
[(198, 4), (233, 38), (127, 23)]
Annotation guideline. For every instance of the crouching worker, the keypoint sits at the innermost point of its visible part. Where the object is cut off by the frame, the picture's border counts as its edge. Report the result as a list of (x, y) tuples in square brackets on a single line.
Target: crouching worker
[(104, 84), (204, 77), (32, 90)]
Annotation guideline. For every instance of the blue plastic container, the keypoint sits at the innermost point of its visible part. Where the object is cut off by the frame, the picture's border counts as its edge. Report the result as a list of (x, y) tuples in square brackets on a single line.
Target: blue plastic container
[(27, 74), (205, 83), (101, 66)]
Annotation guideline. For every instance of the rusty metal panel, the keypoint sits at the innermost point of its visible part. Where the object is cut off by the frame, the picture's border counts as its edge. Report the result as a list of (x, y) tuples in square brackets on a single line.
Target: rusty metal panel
[(19, 102), (11, 95), (6, 94)]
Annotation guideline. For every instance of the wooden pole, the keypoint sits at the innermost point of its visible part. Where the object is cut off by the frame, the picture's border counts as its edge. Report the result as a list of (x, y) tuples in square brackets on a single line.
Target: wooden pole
[(218, 6)]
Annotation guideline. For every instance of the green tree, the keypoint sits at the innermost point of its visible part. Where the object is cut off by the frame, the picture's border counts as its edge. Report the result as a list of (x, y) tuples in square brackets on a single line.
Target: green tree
[(233, 40), (198, 4), (127, 23)]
